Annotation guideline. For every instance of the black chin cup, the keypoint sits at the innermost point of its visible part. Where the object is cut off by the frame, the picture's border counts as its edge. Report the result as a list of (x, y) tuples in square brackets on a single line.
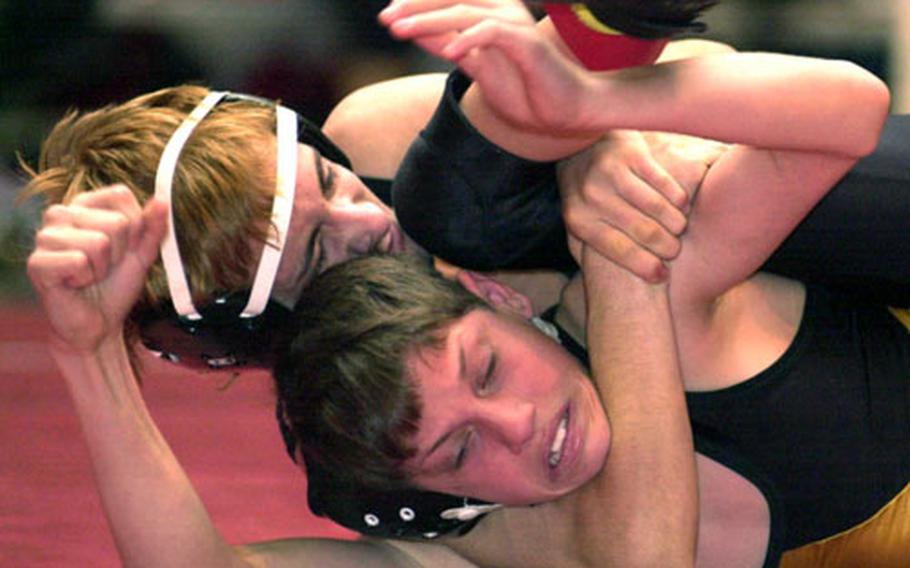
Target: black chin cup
[(221, 339)]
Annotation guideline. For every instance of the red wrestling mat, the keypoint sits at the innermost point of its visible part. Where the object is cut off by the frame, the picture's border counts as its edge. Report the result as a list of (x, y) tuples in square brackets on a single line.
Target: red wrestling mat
[(226, 438)]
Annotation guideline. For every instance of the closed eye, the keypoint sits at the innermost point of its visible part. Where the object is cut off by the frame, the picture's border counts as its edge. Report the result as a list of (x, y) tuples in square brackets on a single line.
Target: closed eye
[(487, 379), (463, 449), (326, 175)]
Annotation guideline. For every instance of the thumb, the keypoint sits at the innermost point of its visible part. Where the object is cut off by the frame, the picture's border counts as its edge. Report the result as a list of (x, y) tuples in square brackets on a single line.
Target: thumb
[(154, 228)]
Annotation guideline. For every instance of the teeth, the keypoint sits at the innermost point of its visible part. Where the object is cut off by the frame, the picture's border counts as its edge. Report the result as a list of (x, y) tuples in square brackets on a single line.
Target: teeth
[(558, 440)]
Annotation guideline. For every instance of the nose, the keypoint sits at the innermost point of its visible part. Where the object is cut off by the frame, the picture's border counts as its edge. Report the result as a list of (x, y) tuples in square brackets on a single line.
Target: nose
[(354, 228), (511, 422)]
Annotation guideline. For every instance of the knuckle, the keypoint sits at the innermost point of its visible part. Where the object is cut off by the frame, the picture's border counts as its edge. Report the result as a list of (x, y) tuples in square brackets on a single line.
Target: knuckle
[(653, 204), (652, 269), (573, 216), (53, 214), (616, 246), (631, 191), (650, 234), (101, 242), (120, 225), (664, 181), (674, 247)]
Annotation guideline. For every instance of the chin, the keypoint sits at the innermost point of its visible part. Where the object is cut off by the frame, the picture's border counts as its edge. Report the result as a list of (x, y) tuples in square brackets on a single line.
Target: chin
[(598, 442)]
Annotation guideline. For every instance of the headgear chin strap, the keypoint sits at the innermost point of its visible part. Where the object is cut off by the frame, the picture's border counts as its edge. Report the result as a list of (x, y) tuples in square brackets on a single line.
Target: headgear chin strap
[(240, 328)]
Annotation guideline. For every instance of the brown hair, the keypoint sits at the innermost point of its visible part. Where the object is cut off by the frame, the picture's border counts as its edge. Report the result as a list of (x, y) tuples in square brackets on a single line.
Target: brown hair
[(223, 184), (343, 387)]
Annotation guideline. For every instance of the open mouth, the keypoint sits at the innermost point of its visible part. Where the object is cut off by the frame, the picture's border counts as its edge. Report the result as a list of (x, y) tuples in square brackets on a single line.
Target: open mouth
[(389, 242), (557, 447)]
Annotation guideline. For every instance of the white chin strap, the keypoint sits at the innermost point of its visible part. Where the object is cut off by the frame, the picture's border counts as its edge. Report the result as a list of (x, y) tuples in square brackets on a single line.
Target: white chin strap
[(282, 206)]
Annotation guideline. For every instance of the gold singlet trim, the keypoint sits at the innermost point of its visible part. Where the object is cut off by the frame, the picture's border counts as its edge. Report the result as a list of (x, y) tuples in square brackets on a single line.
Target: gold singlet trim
[(883, 541), (585, 16)]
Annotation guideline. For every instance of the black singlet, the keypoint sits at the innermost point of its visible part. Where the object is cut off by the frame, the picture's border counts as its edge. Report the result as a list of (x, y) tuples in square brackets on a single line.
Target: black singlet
[(824, 432), (472, 203)]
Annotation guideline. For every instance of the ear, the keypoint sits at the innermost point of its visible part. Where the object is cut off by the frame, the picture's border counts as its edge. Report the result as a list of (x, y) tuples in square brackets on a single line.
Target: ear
[(495, 293)]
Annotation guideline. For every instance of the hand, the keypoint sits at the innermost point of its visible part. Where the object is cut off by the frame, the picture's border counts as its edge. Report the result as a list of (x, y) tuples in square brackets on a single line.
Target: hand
[(521, 74), (618, 199), (433, 24), (90, 261)]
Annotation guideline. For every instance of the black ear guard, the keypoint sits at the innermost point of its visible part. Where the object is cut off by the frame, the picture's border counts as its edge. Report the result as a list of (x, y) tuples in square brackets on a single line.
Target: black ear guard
[(401, 513), (222, 337)]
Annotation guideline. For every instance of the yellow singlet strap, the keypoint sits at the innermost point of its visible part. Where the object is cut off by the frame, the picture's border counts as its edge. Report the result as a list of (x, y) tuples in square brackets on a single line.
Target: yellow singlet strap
[(585, 16), (902, 315)]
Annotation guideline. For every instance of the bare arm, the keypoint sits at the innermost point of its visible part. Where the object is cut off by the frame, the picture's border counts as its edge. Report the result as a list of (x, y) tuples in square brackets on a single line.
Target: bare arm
[(650, 480), (88, 267), (525, 80), (641, 510)]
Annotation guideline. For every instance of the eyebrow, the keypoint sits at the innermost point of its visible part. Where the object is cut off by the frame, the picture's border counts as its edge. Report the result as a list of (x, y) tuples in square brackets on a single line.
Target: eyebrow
[(462, 374), (325, 176)]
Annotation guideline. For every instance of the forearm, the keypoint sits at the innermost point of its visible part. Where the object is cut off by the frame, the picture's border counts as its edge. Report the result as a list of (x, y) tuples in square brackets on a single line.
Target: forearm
[(155, 515), (649, 481), (866, 211), (761, 99)]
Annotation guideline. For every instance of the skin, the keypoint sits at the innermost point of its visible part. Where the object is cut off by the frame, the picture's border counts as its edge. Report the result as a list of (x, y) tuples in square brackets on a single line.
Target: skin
[(126, 445), (498, 389), (729, 326), (335, 218), (142, 486)]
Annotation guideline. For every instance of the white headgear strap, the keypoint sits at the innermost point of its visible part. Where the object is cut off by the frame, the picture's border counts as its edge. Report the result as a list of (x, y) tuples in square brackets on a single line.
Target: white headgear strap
[(286, 133)]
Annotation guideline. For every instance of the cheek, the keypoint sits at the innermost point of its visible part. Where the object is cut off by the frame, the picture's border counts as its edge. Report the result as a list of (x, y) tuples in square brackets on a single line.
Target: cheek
[(505, 482)]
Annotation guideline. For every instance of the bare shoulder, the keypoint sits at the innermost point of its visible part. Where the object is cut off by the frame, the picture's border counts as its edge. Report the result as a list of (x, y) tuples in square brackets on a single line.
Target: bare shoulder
[(375, 124), (429, 554), (326, 552), (542, 536)]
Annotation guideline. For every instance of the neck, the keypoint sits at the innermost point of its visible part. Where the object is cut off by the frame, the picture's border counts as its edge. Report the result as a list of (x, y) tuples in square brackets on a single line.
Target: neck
[(571, 313)]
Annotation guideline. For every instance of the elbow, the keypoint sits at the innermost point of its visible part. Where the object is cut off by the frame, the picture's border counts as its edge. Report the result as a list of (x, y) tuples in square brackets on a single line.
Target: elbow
[(868, 100), (879, 106)]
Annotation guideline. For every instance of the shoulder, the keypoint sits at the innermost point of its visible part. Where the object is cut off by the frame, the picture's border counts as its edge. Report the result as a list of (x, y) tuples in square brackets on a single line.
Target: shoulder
[(378, 553), (430, 554), (375, 124)]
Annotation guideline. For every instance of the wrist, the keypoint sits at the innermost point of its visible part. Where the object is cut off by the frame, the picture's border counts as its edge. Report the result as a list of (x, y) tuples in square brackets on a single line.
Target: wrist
[(65, 353)]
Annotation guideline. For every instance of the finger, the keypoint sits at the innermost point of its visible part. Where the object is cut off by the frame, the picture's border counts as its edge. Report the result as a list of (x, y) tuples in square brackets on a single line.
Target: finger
[(589, 218), (643, 196), (619, 248), (576, 247), (447, 20), (405, 8), (94, 246), (117, 198), (154, 228), (511, 38), (434, 44), (658, 178), (115, 226), (53, 270)]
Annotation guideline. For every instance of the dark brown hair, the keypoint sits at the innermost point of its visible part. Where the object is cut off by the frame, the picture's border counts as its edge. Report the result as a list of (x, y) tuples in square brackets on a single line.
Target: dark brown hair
[(343, 387)]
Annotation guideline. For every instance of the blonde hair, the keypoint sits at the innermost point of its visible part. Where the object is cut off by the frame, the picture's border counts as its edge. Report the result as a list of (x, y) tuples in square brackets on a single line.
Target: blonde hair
[(223, 184)]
